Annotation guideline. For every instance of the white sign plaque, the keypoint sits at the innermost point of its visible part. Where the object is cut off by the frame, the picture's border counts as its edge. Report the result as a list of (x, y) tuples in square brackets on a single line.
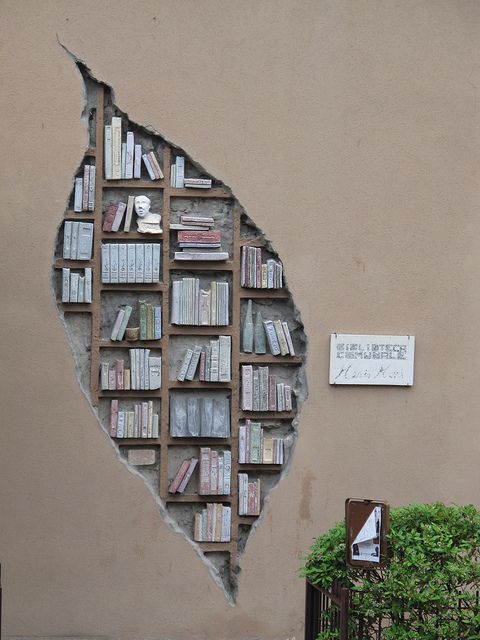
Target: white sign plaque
[(378, 360)]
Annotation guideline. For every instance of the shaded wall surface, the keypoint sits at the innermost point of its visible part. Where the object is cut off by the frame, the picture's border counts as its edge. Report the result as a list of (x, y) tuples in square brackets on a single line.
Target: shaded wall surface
[(349, 131)]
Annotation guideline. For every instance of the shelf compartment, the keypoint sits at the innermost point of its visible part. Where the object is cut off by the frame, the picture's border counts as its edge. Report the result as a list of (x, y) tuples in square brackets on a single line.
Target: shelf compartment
[(135, 183), (214, 192)]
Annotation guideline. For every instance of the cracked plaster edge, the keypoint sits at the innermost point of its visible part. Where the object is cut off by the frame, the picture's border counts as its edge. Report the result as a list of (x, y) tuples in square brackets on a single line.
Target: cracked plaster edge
[(302, 383)]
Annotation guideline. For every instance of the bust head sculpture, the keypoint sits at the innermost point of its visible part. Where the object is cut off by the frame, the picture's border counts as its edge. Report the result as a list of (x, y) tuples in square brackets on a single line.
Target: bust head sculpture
[(147, 222)]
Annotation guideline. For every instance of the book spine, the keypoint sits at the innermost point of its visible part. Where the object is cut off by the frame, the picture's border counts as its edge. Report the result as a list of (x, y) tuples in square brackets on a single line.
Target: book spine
[(148, 275), (179, 477), (156, 262), (288, 397), (119, 367), (148, 166), (116, 148), (85, 240), (129, 155), (139, 262), (137, 162), (192, 367), (204, 488), (281, 337), (67, 239), (157, 323), (86, 180), (74, 277), (150, 419), (74, 241), (180, 171), (185, 364), (247, 387), (109, 217), (104, 368), (242, 441), (131, 273), (65, 285), (88, 285), (114, 263), (226, 524), (225, 348), (128, 214), (214, 360), (124, 159), (214, 473), (271, 337), (121, 207), (124, 323), (116, 326), (272, 393), (155, 372), (155, 165), (113, 418), (121, 424), (188, 475), (106, 263), (78, 195), (108, 152), (288, 338), (91, 188), (122, 263), (227, 472)]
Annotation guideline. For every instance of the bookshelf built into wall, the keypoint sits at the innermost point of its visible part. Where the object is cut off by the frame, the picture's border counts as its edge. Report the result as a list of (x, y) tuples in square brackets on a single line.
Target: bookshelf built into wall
[(185, 336)]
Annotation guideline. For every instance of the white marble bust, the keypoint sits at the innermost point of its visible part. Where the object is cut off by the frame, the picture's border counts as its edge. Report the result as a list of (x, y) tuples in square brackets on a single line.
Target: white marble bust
[(147, 222)]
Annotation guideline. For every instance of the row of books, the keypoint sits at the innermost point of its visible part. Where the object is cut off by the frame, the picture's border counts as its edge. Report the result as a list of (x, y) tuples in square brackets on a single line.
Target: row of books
[(194, 306), (123, 160), (75, 287), (145, 372), (142, 422), (258, 275), (213, 361), (248, 496), (215, 472), (150, 322), (199, 417), (261, 392), (178, 180), (183, 475), (256, 448), (131, 263), (213, 523), (77, 240), (278, 338), (84, 193), (114, 214)]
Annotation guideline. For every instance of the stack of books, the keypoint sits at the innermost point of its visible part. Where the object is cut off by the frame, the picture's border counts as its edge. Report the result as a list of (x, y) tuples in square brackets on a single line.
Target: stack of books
[(215, 472), (84, 193), (77, 287), (182, 476), (213, 523), (196, 242), (77, 240), (150, 322), (123, 160), (142, 422), (214, 361), (138, 262), (194, 306), (178, 180), (145, 373), (261, 392), (255, 448), (248, 496), (258, 275)]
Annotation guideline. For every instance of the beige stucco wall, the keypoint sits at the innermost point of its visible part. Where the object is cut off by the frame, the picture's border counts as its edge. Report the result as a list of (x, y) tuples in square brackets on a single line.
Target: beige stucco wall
[(350, 133)]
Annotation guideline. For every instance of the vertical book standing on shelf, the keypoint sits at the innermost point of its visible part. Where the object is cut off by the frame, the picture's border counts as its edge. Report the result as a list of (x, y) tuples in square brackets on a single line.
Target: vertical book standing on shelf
[(262, 392), (131, 263), (256, 274), (84, 190), (139, 422), (213, 362), (191, 305), (144, 372)]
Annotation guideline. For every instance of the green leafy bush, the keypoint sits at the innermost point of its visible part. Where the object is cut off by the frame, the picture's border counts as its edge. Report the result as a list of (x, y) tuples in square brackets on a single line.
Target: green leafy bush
[(428, 590)]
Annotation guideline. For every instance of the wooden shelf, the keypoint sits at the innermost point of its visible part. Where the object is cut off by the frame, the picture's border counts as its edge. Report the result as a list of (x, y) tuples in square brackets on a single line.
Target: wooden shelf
[(87, 216), (131, 393), (60, 263), (119, 236), (200, 330), (197, 441), (248, 466), (279, 294), (214, 546), (253, 242), (195, 498), (196, 384), (133, 184), (200, 265), (267, 415), (75, 307), (199, 193), (137, 442), (134, 344), (247, 520), (246, 358), (155, 287)]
